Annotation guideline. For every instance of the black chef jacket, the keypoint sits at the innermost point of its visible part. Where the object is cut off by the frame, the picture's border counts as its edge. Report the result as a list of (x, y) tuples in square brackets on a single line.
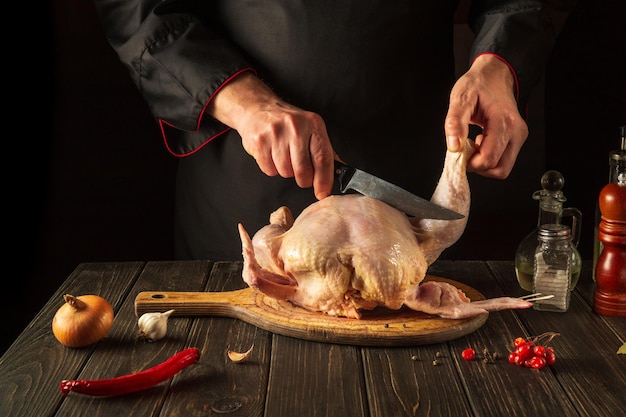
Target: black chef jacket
[(378, 72)]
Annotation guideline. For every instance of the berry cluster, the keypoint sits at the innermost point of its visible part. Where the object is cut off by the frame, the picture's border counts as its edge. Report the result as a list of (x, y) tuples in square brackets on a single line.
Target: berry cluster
[(533, 352)]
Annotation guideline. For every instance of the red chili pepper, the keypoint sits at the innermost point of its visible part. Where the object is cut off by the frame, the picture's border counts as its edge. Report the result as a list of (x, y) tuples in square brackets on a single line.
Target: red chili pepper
[(138, 381)]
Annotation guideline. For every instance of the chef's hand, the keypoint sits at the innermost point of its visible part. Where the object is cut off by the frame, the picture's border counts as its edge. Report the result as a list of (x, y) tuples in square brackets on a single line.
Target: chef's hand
[(484, 96), (283, 139)]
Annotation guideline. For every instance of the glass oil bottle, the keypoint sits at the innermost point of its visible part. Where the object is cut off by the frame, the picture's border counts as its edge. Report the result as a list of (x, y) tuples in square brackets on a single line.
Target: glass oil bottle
[(551, 211)]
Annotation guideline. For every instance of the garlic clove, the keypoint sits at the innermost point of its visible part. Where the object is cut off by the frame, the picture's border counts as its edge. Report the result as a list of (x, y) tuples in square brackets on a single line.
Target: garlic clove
[(239, 356), (153, 326)]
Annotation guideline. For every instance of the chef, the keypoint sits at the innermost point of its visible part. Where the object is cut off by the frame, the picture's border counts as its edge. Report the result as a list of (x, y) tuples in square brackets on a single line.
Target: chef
[(256, 98)]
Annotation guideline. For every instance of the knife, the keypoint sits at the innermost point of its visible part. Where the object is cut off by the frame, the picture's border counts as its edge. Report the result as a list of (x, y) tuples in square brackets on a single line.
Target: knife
[(350, 178)]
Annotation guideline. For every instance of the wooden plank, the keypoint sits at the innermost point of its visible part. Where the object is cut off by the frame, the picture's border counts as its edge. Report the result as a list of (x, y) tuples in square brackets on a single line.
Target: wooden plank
[(499, 388), (315, 379), (588, 368), (216, 385), (586, 288), (405, 382), (123, 353), (35, 364)]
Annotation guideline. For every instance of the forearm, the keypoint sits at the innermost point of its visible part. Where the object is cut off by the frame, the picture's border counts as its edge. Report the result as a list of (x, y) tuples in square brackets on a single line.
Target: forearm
[(239, 97)]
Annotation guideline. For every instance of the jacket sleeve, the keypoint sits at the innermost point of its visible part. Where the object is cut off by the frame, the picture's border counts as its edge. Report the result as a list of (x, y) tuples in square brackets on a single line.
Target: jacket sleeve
[(158, 41), (521, 33)]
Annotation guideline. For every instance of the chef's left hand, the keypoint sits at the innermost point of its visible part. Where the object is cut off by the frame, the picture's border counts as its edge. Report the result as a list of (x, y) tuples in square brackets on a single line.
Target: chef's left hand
[(484, 96)]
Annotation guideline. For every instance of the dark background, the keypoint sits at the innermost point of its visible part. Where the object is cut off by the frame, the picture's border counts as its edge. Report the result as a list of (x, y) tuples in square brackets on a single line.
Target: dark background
[(90, 180)]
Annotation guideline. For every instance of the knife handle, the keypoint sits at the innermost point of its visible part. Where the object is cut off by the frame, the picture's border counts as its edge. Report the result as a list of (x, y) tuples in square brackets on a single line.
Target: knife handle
[(343, 173)]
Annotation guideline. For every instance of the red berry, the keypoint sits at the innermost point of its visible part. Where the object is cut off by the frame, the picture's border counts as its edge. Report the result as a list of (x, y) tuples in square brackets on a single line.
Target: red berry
[(518, 341), (536, 362), (539, 351), (550, 356), (513, 357), (468, 354), (525, 351)]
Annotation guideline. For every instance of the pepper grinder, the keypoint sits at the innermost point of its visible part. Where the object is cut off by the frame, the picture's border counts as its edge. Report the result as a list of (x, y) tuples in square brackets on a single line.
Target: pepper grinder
[(610, 294), (617, 166)]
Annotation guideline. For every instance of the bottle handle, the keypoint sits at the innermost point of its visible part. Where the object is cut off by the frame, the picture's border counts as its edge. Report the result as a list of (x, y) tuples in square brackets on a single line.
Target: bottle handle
[(576, 216)]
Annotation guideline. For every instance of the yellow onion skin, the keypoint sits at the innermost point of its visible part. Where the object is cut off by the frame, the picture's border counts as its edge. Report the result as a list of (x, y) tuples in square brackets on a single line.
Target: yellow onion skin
[(82, 320)]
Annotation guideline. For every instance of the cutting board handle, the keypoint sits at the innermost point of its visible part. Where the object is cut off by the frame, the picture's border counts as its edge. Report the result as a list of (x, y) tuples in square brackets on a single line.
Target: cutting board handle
[(193, 304)]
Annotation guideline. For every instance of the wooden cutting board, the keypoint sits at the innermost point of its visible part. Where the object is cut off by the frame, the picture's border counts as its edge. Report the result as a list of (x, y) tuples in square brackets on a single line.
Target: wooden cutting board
[(378, 327)]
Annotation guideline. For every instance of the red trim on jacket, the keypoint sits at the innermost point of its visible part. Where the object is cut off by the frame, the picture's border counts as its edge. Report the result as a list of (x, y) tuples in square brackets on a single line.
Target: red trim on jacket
[(514, 78), (162, 122)]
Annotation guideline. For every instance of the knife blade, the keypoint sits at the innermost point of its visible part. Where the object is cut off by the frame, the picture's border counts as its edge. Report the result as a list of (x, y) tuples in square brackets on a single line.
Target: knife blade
[(350, 178)]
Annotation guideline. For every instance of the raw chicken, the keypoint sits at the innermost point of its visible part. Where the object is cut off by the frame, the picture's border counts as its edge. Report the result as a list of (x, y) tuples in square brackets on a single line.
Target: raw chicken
[(348, 253)]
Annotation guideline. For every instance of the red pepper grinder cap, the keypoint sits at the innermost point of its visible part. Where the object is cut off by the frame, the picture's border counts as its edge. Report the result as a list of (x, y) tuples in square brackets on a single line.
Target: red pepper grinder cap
[(613, 202)]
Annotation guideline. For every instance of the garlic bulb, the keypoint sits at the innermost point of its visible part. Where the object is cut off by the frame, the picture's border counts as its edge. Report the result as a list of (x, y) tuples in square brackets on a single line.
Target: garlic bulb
[(153, 326)]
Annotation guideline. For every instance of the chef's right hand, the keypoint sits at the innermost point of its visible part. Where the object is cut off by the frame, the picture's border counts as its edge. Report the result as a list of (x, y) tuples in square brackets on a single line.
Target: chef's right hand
[(283, 139)]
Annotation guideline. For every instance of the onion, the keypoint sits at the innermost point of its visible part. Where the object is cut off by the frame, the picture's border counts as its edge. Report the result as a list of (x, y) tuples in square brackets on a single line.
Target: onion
[(82, 320)]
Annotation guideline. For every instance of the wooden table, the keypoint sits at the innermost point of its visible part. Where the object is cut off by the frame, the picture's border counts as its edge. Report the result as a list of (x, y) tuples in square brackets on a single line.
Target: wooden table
[(292, 377)]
